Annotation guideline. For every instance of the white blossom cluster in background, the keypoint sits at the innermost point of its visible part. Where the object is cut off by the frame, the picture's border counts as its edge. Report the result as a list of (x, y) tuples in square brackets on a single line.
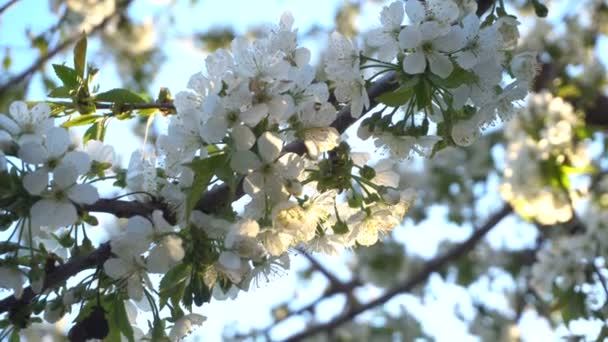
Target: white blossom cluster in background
[(239, 125), (572, 261), (83, 15), (543, 151), (465, 73)]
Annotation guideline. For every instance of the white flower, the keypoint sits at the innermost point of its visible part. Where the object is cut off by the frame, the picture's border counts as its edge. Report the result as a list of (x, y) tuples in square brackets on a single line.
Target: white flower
[(139, 235), (428, 42), (404, 146), (243, 137), (131, 269), (367, 226), (141, 175), (276, 241), (342, 67), (165, 254), (386, 38), (241, 238), (508, 32), (57, 206), (197, 103), (52, 152), (318, 136), (267, 171), (524, 66), (100, 152), (24, 124), (185, 325), (232, 266), (89, 13)]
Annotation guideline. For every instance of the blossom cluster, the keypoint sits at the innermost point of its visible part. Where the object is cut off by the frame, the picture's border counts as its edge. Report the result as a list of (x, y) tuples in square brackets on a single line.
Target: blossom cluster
[(543, 150), (252, 102), (454, 63)]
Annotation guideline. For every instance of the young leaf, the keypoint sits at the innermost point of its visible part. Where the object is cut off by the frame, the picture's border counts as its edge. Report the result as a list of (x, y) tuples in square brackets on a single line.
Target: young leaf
[(96, 132), (458, 77), (398, 97), (62, 92), (82, 120), (80, 55), (120, 317), (67, 75), (203, 172), (173, 282), (119, 96)]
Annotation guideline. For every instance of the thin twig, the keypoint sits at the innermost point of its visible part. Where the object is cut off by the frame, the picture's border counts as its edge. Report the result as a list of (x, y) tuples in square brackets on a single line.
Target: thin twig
[(433, 265), (7, 5), (333, 281), (50, 54)]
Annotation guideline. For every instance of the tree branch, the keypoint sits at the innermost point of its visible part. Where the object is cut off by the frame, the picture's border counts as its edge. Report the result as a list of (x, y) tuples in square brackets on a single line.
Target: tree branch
[(416, 279), (59, 275), (7, 5), (57, 49)]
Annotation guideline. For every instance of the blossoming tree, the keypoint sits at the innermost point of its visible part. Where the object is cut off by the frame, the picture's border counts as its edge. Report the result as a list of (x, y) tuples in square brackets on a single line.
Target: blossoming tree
[(256, 165)]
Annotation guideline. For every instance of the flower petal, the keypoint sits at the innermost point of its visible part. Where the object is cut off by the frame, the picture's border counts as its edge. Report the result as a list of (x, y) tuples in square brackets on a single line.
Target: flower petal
[(269, 146), (36, 182), (244, 162), (414, 63), (410, 37), (57, 141), (83, 194), (440, 64), (243, 138)]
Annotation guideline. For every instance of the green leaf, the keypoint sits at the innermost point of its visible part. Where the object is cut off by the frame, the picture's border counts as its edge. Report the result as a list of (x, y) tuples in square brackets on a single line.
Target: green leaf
[(121, 319), (80, 55), (458, 77), (14, 336), (571, 304), (398, 97), (96, 132), (171, 281), (119, 96), (67, 75), (203, 172), (423, 94), (200, 292), (62, 92), (82, 120)]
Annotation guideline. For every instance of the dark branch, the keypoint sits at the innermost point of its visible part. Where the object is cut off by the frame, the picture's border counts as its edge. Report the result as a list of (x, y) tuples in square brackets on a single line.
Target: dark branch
[(59, 275), (483, 6), (416, 279), (7, 5)]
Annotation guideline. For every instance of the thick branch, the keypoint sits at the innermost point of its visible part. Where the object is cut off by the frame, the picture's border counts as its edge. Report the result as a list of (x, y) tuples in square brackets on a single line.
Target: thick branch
[(60, 275), (416, 279)]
